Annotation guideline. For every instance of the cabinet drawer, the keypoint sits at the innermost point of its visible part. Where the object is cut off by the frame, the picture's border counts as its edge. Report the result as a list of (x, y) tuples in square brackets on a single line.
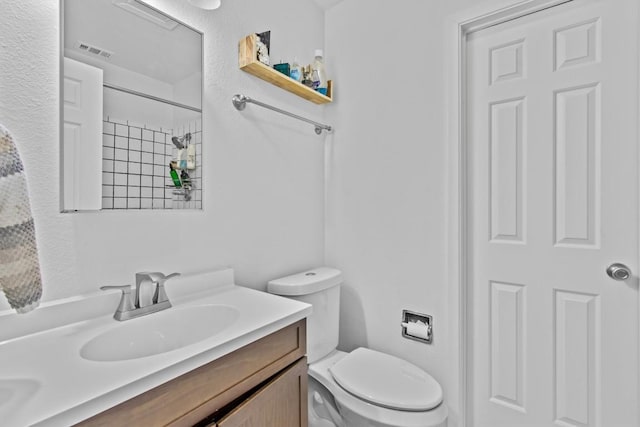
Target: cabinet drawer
[(191, 397)]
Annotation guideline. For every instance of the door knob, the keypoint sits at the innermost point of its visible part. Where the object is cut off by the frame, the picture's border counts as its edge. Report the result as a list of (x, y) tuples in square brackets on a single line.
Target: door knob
[(618, 271)]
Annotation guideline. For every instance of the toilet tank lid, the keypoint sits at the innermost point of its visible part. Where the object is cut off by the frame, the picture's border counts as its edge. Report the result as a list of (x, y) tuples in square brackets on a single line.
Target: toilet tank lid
[(307, 282)]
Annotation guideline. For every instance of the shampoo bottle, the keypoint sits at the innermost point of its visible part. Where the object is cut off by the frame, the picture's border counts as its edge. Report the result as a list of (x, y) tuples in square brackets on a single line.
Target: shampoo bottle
[(191, 156)]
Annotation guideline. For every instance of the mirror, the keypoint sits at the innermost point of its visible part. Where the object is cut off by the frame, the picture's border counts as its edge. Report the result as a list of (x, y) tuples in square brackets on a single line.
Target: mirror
[(131, 82)]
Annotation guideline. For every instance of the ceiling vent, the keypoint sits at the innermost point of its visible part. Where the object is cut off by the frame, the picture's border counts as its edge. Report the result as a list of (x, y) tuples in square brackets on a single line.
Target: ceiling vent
[(94, 50)]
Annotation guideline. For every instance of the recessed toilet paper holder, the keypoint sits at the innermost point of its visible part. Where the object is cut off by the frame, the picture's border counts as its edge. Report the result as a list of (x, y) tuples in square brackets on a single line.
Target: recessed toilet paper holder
[(417, 326)]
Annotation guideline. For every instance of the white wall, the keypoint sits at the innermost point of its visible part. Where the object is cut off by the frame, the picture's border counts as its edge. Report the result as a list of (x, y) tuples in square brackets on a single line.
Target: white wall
[(263, 203), (386, 225)]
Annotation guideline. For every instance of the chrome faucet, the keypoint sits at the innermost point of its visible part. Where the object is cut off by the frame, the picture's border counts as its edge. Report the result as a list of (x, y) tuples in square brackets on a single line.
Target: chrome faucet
[(128, 310)]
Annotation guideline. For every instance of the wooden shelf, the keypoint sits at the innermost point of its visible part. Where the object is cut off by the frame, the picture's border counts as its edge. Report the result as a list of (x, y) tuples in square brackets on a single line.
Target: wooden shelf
[(247, 61)]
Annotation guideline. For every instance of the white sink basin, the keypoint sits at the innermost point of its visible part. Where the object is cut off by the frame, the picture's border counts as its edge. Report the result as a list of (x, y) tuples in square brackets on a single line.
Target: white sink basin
[(159, 332), (14, 392)]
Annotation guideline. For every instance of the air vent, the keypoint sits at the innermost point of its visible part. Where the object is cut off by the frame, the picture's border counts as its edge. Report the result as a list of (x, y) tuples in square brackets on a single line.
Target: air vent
[(86, 47)]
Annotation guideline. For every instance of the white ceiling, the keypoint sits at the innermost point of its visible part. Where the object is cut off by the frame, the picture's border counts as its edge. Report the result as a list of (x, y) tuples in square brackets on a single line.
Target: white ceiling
[(137, 44)]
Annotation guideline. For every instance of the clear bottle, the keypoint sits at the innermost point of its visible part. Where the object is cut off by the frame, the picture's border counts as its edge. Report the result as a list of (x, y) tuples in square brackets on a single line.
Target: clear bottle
[(306, 76), (320, 72), (296, 70)]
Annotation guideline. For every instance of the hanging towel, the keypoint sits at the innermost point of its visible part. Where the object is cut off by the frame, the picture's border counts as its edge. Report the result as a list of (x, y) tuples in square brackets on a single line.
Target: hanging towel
[(20, 278)]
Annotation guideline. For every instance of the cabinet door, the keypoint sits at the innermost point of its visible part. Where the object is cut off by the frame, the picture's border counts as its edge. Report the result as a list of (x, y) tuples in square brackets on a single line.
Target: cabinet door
[(282, 402)]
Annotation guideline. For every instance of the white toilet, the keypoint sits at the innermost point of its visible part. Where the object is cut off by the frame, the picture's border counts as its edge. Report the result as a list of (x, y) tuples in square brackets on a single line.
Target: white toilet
[(364, 388)]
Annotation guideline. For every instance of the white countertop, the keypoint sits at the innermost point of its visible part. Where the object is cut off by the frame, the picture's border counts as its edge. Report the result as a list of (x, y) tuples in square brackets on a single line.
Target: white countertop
[(45, 382)]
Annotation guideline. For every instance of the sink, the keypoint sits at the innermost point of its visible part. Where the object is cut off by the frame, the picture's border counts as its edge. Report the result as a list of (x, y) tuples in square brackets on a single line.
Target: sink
[(159, 332), (13, 394)]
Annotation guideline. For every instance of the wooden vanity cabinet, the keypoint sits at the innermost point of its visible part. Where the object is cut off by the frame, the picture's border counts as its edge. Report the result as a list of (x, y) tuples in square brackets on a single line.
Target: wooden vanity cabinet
[(277, 403), (261, 384)]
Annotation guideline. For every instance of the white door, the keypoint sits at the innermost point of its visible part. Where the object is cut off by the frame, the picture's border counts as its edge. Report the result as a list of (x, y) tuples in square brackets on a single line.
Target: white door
[(82, 139), (553, 201)]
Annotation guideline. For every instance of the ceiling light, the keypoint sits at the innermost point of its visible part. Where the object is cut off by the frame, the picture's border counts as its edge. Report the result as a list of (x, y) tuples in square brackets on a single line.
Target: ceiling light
[(206, 4), (146, 13)]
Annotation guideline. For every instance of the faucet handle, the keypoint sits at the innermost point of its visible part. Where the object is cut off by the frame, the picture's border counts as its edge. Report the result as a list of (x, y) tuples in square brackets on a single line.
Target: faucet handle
[(171, 275), (125, 300), (160, 295)]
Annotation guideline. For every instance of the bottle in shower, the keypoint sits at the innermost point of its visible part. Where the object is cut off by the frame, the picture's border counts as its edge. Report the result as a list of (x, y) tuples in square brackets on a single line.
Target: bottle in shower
[(174, 176)]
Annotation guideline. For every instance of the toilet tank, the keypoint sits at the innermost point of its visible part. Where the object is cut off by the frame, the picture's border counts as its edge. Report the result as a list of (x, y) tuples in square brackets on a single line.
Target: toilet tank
[(319, 287)]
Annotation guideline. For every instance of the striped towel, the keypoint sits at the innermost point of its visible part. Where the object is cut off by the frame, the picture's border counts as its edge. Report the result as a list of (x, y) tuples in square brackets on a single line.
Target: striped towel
[(20, 278)]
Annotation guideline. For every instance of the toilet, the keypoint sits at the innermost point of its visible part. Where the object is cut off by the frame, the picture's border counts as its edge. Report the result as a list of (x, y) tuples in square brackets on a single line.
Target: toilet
[(363, 388)]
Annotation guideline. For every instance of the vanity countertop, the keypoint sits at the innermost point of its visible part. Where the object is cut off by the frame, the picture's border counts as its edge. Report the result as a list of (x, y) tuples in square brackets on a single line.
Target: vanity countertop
[(44, 381)]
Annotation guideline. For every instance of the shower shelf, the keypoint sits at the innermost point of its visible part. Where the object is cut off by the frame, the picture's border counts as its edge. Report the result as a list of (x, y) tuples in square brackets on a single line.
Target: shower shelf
[(247, 62)]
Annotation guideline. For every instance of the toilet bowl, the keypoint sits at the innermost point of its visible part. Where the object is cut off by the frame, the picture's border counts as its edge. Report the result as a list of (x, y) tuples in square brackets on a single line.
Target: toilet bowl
[(362, 388)]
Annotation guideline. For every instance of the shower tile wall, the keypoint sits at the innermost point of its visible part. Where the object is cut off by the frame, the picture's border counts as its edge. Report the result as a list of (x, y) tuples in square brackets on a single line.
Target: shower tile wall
[(135, 167)]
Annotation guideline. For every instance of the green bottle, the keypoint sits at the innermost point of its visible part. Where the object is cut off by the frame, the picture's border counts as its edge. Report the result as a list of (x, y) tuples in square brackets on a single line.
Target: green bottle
[(174, 176)]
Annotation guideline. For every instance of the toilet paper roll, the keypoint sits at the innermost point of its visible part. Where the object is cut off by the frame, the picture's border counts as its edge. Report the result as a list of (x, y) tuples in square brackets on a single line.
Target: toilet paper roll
[(417, 329)]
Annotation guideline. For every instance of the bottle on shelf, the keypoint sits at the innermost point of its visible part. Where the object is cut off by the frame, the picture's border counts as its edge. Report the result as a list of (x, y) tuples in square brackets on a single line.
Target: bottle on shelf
[(306, 76), (319, 74), (296, 70)]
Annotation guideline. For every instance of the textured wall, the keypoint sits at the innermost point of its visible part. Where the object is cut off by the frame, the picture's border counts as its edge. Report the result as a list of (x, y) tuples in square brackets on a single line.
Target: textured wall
[(263, 201)]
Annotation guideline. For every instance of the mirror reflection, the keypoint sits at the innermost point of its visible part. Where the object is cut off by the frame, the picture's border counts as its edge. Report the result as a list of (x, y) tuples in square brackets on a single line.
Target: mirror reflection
[(132, 100)]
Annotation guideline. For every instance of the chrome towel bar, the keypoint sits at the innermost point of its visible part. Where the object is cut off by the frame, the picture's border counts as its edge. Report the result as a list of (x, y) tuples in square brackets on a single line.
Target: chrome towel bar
[(240, 102)]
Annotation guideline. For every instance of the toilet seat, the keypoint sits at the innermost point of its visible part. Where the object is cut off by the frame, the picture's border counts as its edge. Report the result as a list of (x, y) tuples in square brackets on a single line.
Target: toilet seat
[(387, 381), (349, 405)]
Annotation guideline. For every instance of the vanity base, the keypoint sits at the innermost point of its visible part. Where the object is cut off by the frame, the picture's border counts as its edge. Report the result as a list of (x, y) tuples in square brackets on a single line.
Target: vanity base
[(276, 363)]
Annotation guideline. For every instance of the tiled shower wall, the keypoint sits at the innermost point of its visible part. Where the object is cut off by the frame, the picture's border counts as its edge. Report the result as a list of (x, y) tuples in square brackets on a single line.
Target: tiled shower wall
[(135, 167)]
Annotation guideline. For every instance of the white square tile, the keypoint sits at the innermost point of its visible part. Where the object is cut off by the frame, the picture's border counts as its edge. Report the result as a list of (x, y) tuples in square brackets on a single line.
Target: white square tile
[(133, 191), (107, 178), (134, 180), (122, 130), (108, 153), (120, 167), (120, 179), (147, 158), (119, 191), (135, 156), (108, 128), (158, 182), (122, 142), (135, 144), (119, 203), (107, 191), (158, 193), (159, 137), (134, 168), (121, 155), (107, 166), (108, 140), (135, 132), (107, 203)]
